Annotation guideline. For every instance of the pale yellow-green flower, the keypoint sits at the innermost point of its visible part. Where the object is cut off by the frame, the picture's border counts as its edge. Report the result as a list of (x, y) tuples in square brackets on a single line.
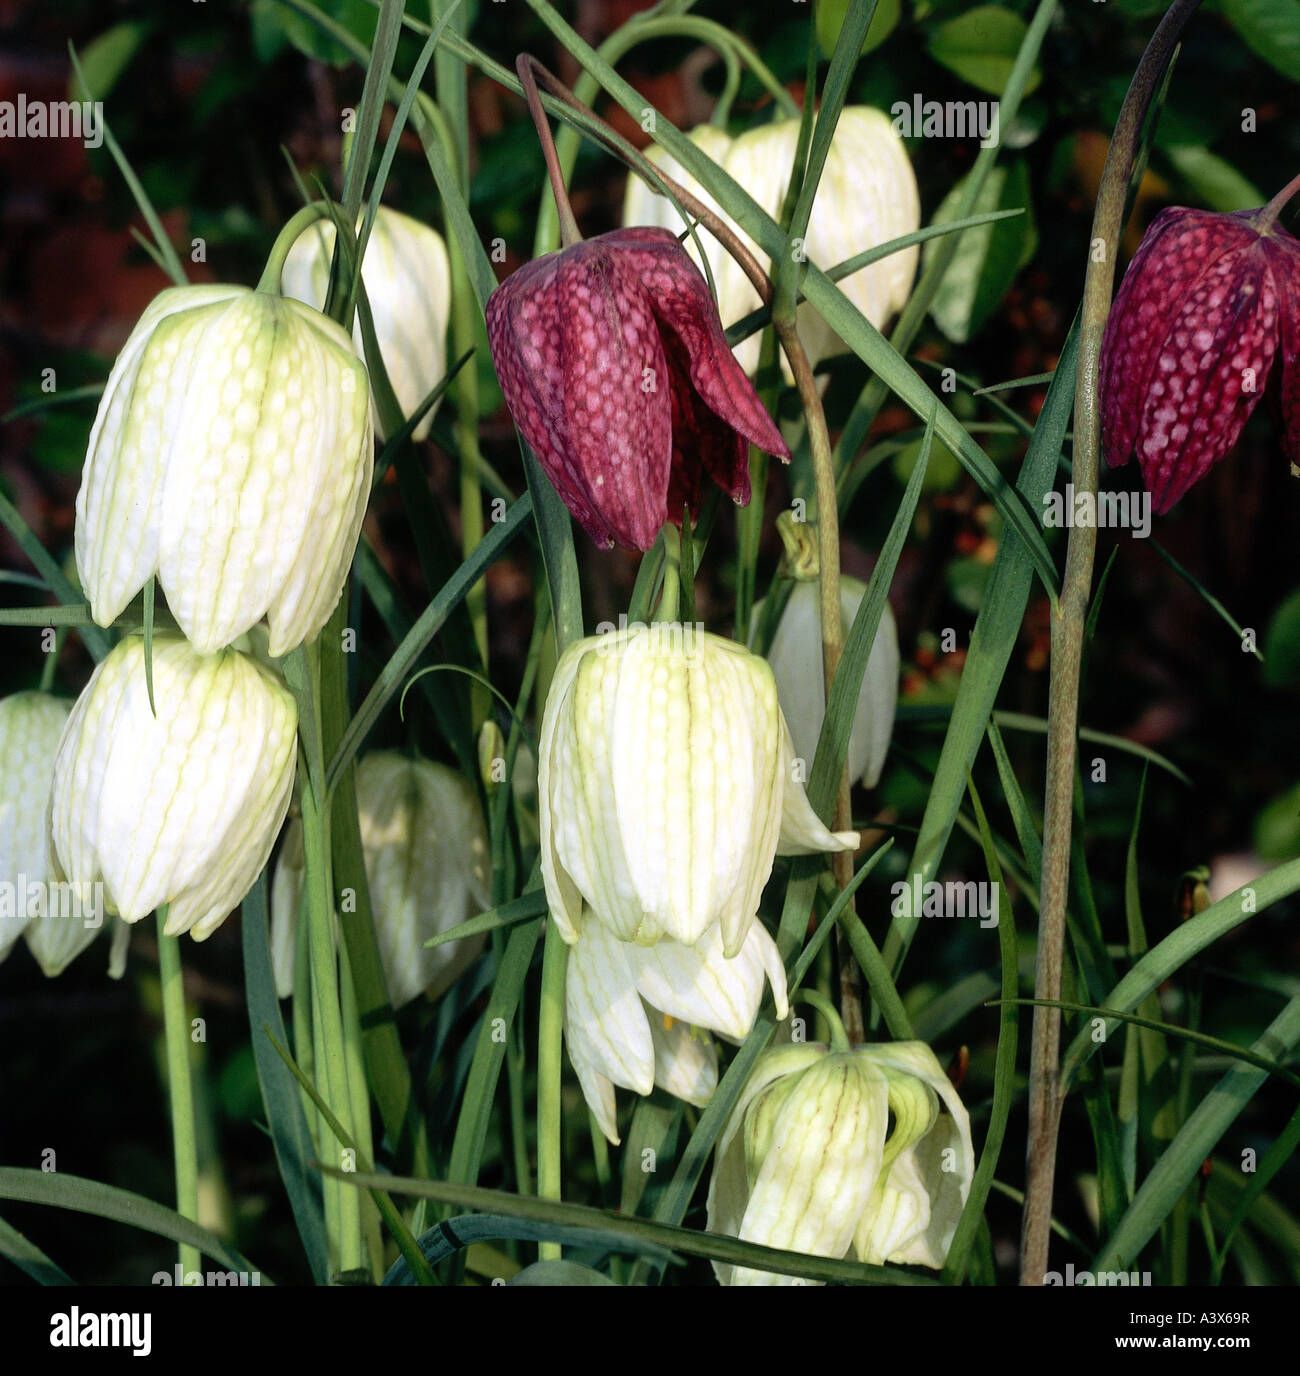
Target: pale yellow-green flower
[(407, 278), (181, 807), (667, 785), (426, 859), (867, 196), (231, 456), (808, 1162)]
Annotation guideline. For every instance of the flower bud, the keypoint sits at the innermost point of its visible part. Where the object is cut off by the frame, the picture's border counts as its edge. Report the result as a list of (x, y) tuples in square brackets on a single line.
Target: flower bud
[(867, 195), (1207, 305), (407, 279), (181, 807), (231, 456), (796, 659), (491, 756), (426, 858), (807, 1160), (616, 371), (667, 787)]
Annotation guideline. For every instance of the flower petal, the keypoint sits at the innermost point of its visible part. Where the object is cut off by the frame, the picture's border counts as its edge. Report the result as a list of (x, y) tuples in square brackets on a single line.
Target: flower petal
[(605, 1023), (729, 1182), (821, 1166), (576, 348), (1209, 373), (679, 297), (557, 826), (700, 985), (1178, 247), (802, 831), (939, 1166), (119, 503), (686, 1061)]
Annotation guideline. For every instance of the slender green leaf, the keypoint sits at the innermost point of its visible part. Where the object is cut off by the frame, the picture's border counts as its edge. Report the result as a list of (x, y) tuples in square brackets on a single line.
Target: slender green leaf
[(29, 1258), (638, 1230), (82, 90), (1180, 1162), (280, 1097), (426, 627), (62, 1191), (1179, 947), (997, 627), (1004, 1065)]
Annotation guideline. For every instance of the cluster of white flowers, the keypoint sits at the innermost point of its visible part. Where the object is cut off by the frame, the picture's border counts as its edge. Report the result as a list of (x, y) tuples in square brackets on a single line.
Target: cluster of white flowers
[(231, 458)]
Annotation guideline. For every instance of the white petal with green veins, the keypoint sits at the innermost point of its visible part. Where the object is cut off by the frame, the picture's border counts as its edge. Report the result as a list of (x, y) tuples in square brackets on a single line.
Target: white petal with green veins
[(605, 1023), (686, 1061), (821, 1166)]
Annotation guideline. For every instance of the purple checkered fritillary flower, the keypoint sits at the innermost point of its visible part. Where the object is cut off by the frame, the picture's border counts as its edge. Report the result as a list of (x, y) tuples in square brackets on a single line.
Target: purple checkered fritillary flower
[(1207, 316), (616, 370)]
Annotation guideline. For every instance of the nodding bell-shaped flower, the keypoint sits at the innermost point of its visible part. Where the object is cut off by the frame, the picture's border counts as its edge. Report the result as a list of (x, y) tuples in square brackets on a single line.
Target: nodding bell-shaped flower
[(231, 456), (808, 1161), (796, 659), (179, 808), (667, 785), (407, 278), (635, 1016), (615, 368), (867, 195), (426, 858), (1207, 314), (56, 931)]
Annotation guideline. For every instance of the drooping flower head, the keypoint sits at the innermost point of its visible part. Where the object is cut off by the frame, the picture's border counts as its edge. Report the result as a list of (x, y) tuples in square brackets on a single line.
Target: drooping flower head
[(867, 195), (407, 277), (231, 456), (616, 370), (181, 806), (862, 1152), (667, 784), (1207, 313), (426, 859), (796, 659)]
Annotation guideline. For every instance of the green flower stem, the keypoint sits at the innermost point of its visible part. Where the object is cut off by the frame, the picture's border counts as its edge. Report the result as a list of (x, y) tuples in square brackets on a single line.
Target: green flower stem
[(670, 598), (284, 241), (1069, 620), (304, 1047), (326, 1010), (787, 276), (180, 1087), (839, 1038), (832, 624), (465, 386), (359, 1102), (331, 1189), (550, 1036), (1267, 217), (617, 46), (569, 233), (749, 518), (451, 111)]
